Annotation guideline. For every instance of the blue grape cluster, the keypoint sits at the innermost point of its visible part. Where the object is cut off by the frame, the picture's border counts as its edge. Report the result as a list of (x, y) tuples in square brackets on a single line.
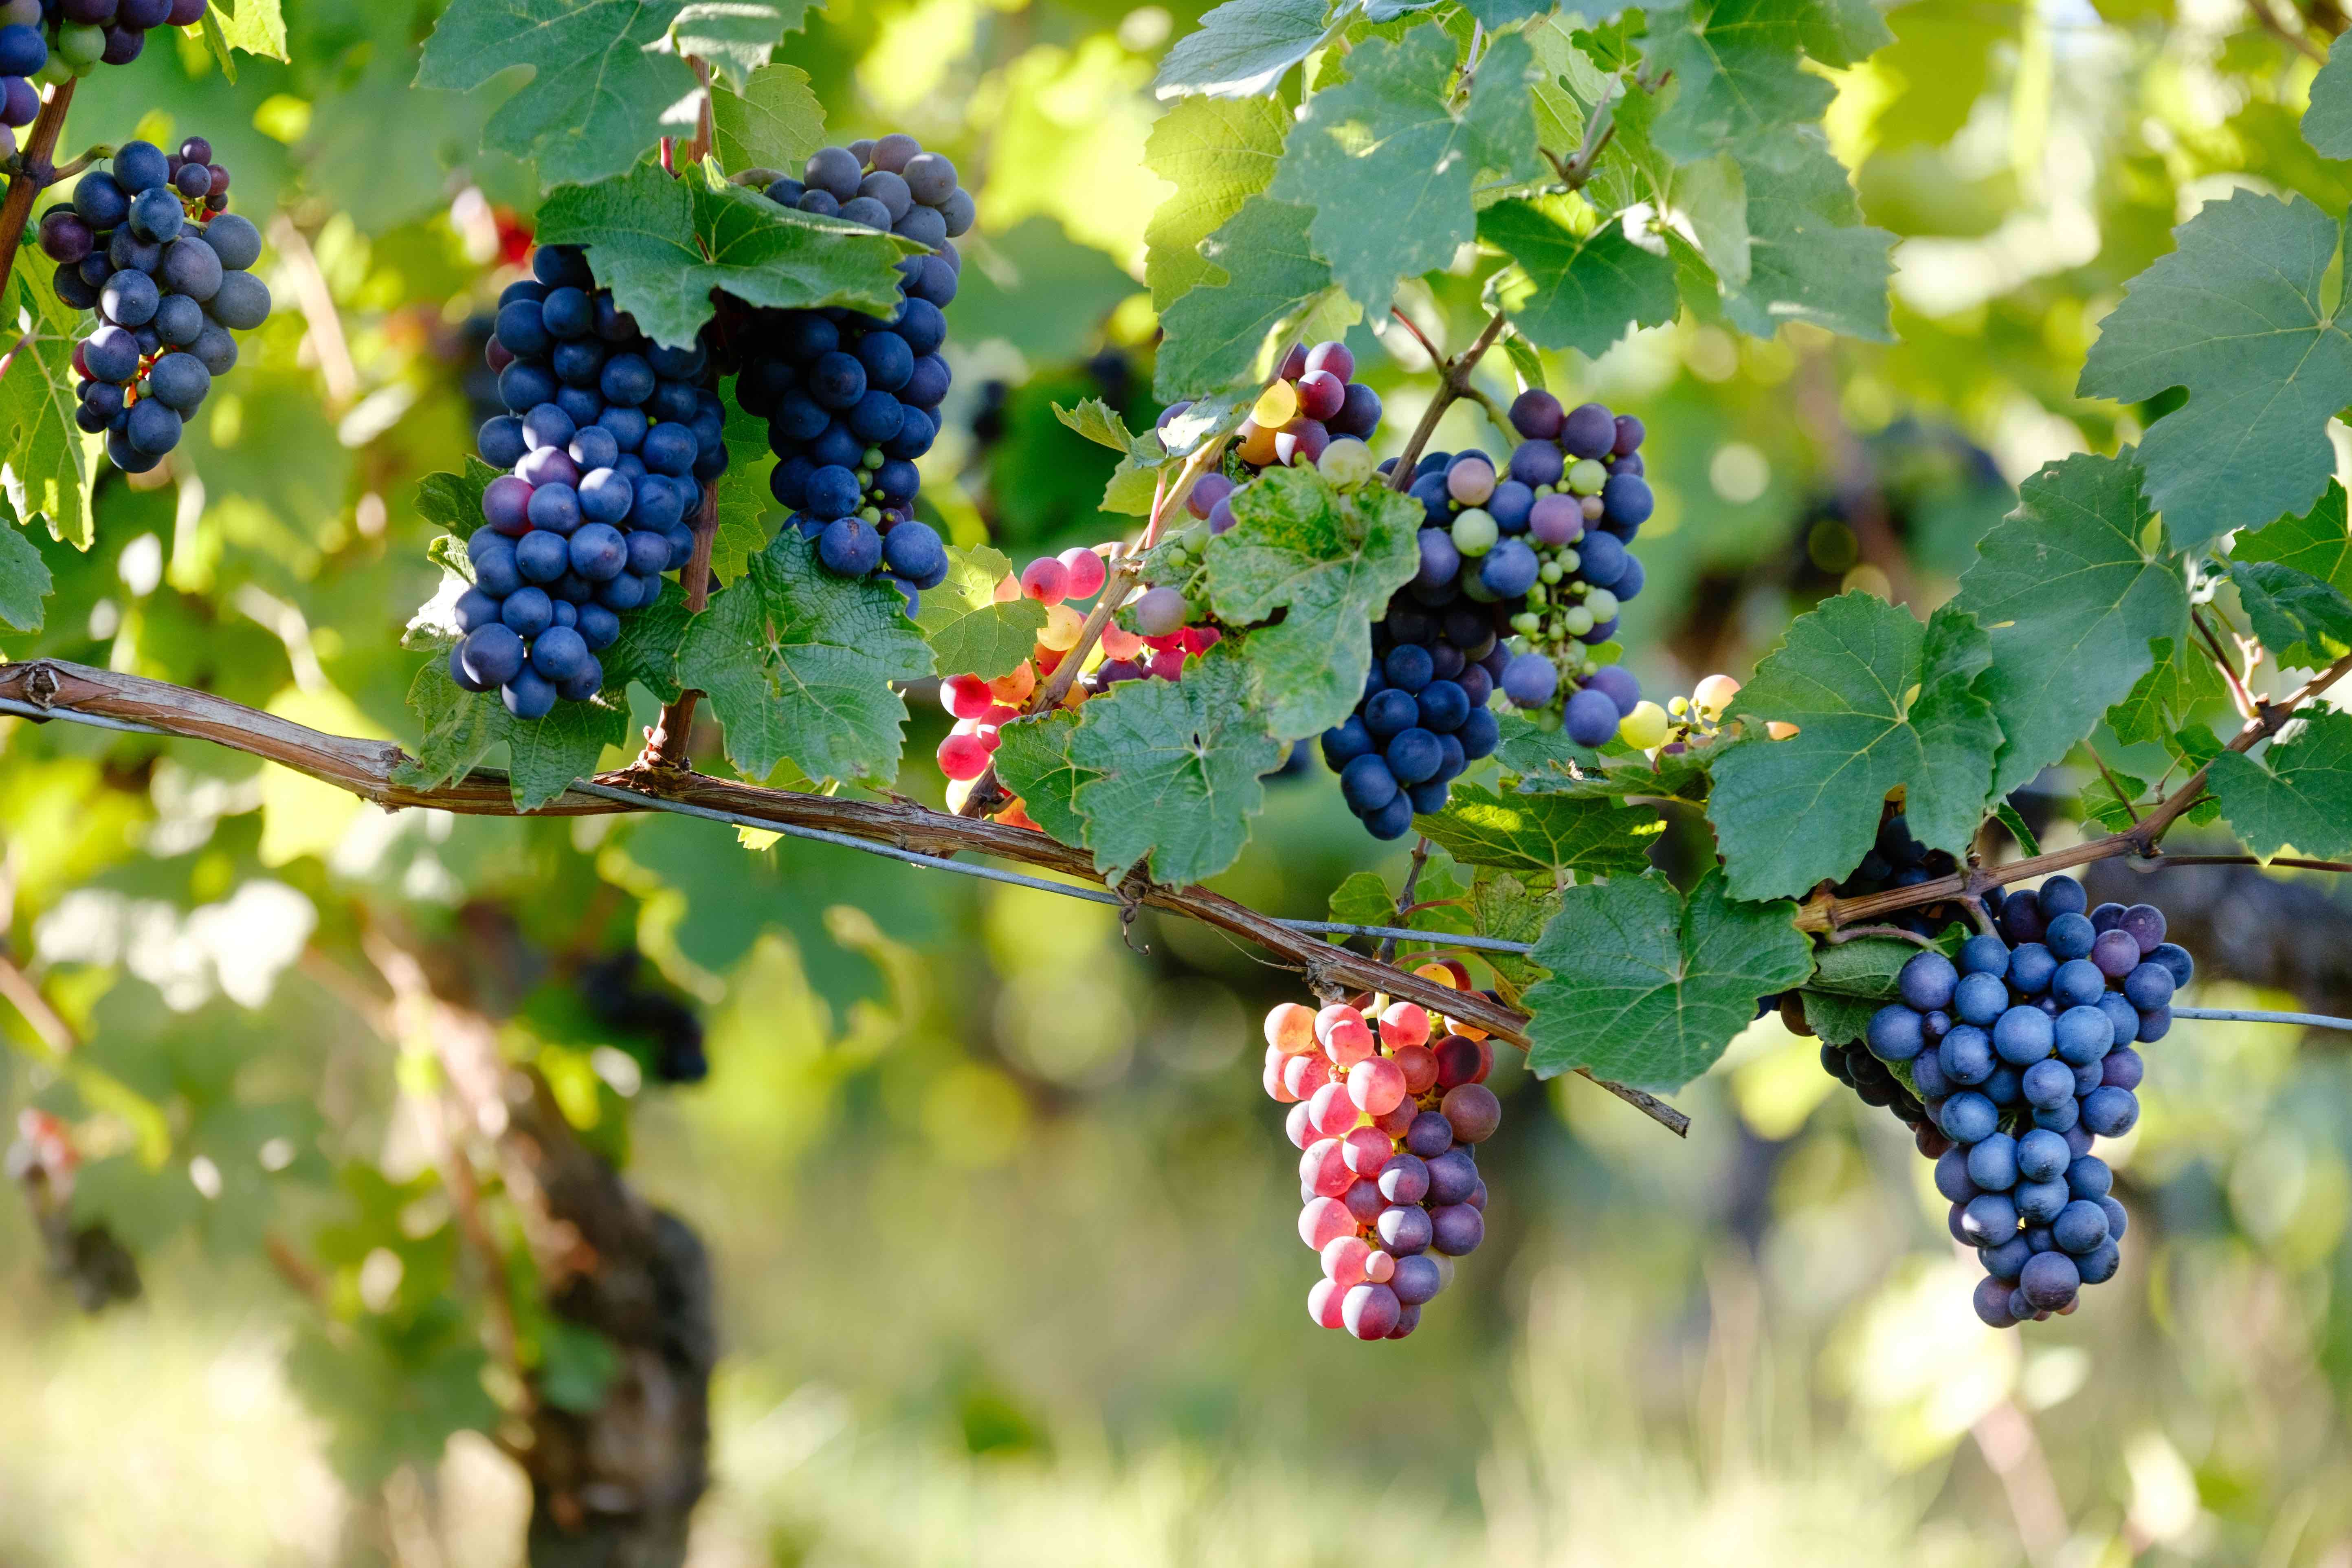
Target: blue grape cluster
[(1899, 860), (1424, 717), (611, 440), (851, 400), (145, 243), (2021, 1055), (45, 42)]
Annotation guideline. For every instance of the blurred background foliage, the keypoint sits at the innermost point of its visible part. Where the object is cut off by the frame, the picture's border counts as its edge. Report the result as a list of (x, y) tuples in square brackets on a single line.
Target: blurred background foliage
[(999, 1220)]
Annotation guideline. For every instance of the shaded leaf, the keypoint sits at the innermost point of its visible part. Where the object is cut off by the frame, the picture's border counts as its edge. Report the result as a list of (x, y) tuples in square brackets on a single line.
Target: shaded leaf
[(1264, 276), (2179, 680), (773, 121), (544, 755), (2318, 543), (969, 631), (2298, 794), (24, 581), (1809, 256), (1033, 761), (1245, 47), (1583, 291), (1550, 836), (2288, 608), (2327, 123)]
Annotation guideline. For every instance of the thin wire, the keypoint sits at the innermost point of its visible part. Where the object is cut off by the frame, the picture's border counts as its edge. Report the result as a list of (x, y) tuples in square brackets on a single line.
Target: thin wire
[(2257, 1016)]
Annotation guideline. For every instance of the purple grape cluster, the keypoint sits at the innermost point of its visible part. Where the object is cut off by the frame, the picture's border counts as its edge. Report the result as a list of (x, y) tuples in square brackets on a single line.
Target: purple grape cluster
[(2021, 1056), (146, 245), (610, 439), (1899, 860), (851, 400), (46, 41), (1424, 717)]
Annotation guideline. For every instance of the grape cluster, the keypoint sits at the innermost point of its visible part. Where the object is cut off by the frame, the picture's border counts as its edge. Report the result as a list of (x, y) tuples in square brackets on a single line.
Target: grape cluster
[(665, 1031), (1309, 404), (44, 42), (851, 400), (2020, 1056), (1387, 1125), (610, 441), (1424, 717), (147, 245), (1899, 860)]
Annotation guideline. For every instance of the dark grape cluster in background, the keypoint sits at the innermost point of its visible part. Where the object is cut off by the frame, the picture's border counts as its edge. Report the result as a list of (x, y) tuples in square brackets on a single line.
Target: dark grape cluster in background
[(146, 243), (610, 442), (851, 400), (661, 1028), (2010, 1064), (45, 42), (1899, 860)]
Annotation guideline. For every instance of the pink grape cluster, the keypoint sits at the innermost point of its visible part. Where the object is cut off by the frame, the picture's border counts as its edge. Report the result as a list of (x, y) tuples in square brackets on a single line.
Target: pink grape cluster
[(1387, 1121)]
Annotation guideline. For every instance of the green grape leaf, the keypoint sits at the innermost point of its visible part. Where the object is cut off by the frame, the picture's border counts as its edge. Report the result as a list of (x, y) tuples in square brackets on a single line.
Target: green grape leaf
[(48, 467), (24, 581), (2316, 543), (1033, 761), (1839, 1020), (256, 27), (2288, 608), (2019, 828), (1363, 899), (1583, 291), (545, 756), (1134, 482), (1098, 422), (1329, 560), (2179, 680), (1648, 987), (453, 501), (2327, 123), (1387, 166), (2236, 316), (798, 663), (1879, 701), (1266, 276), (772, 121), (1218, 154), (1176, 767), (1809, 256), (1496, 15), (1739, 76), (1503, 906), (2111, 805), (969, 631), (1245, 47), (597, 92), (663, 246), (2071, 587), (2297, 795), (647, 650), (1866, 967), (1551, 836), (746, 507), (735, 35), (391, 1394)]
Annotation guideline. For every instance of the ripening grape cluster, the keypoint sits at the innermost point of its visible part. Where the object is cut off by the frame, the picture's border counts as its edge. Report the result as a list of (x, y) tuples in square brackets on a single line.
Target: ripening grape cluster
[(610, 441), (2021, 1056), (44, 42), (1309, 404), (851, 400), (1387, 1121), (146, 244), (1899, 860)]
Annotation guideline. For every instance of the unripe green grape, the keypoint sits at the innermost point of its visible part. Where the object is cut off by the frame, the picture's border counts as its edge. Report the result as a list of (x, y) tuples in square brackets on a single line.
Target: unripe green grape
[(1601, 604), (1536, 597), (1577, 621), (1195, 538), (872, 460), (1474, 588), (1346, 461), (1526, 622), (1570, 558), (1474, 532), (1644, 727), (80, 45), (1550, 572), (1587, 476), (870, 513)]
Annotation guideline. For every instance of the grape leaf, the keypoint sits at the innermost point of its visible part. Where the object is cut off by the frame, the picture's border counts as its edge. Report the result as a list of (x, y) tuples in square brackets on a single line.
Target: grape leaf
[(2071, 587), (1496, 15), (453, 501), (1552, 835), (1177, 766), (1330, 561), (2317, 543), (1218, 154), (1809, 256), (256, 27), (1033, 761), (746, 506), (1133, 483), (1867, 967), (1837, 1020), (24, 581), (1266, 276), (775, 121), (47, 466), (969, 631), (544, 755), (2327, 123), (1503, 906), (2297, 795), (1245, 47), (2111, 805), (1583, 291), (1543, 760), (1879, 701), (2235, 316), (2288, 608), (1648, 987), (2178, 681), (1739, 76), (594, 102), (1387, 166), (647, 650), (797, 663), (1364, 900), (735, 35), (663, 245)]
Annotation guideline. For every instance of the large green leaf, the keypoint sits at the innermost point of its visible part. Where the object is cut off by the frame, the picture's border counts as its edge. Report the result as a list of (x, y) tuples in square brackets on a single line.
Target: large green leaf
[(1176, 767), (1218, 154), (798, 665), (2316, 543), (1387, 165), (2179, 680), (2071, 587), (47, 466), (1552, 835), (773, 121), (1267, 276), (1809, 256), (2327, 123), (544, 755), (1648, 987), (969, 632), (1245, 47), (735, 35), (24, 581), (2288, 608), (1329, 560), (1033, 761), (663, 246), (594, 103), (2236, 315), (1739, 76), (2297, 795), (1583, 291), (1880, 702)]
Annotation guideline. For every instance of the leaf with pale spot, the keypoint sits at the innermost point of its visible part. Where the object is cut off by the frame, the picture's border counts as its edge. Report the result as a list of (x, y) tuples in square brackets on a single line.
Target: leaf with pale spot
[(1582, 292), (1552, 836), (2297, 795), (1218, 154), (1329, 560), (1879, 701), (1648, 987), (1245, 47), (798, 664), (969, 631)]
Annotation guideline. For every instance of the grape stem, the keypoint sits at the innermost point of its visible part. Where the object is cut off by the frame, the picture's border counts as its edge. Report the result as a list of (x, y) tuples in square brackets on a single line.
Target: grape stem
[(94, 154), (666, 742), (2113, 787), (35, 173), (46, 689), (2238, 695), (1854, 933), (1453, 381), (1405, 904)]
